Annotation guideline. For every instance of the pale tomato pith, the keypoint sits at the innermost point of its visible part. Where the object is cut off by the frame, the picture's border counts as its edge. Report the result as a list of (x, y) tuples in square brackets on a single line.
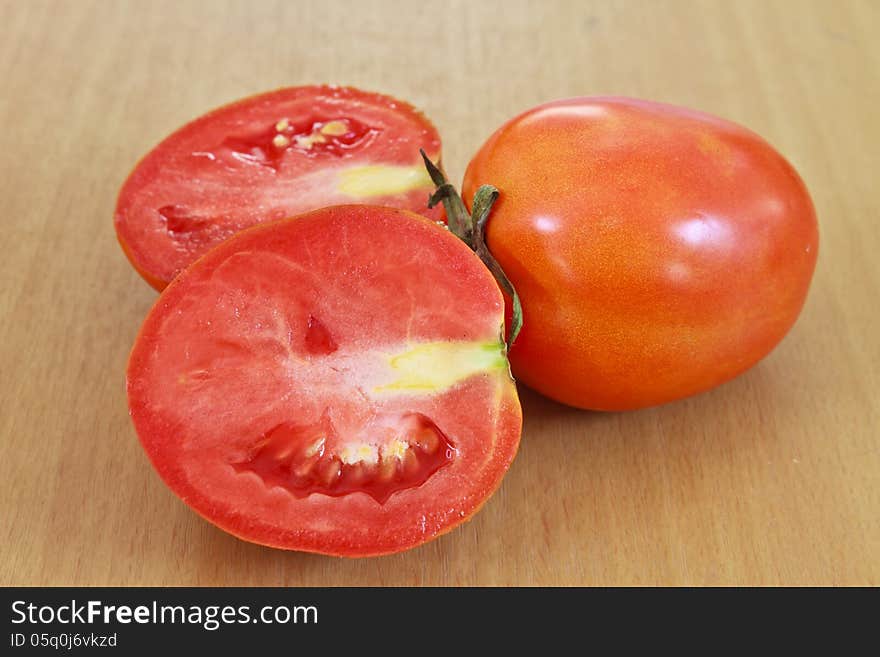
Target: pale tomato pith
[(658, 251), (334, 383), (267, 157)]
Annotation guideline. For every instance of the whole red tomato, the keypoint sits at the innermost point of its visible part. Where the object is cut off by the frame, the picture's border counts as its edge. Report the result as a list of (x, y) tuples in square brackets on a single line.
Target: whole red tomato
[(658, 251)]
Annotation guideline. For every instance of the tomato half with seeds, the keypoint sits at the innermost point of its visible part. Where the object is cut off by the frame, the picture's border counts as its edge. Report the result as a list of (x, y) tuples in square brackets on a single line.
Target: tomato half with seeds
[(333, 383), (657, 251), (268, 157)]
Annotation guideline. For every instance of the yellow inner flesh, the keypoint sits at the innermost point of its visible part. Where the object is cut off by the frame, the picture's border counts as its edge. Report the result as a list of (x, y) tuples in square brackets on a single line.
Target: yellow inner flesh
[(382, 180), (437, 366)]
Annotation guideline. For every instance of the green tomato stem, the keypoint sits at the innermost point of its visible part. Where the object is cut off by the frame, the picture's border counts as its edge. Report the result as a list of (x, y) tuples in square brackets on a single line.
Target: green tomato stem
[(471, 229)]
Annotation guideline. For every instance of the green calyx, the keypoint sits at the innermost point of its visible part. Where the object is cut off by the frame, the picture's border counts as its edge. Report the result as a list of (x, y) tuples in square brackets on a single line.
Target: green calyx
[(471, 229)]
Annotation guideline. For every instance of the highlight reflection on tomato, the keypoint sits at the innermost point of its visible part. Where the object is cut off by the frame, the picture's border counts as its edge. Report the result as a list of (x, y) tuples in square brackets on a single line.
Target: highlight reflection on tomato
[(658, 251)]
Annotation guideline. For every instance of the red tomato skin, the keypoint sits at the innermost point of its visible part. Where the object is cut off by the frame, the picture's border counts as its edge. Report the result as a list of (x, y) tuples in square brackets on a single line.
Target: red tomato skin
[(658, 251)]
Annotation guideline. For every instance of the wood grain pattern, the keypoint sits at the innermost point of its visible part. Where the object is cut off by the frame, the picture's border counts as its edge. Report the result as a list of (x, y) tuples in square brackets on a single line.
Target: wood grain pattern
[(771, 479)]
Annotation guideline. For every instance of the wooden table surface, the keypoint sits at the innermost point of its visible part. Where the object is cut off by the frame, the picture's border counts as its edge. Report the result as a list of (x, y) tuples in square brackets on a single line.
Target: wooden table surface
[(771, 479)]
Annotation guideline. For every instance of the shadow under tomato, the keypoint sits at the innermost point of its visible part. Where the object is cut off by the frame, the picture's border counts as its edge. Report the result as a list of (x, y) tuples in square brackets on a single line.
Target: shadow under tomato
[(537, 406), (643, 493)]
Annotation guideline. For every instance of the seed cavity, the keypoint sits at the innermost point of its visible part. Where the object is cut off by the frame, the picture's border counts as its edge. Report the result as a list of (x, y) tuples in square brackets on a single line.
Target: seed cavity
[(316, 447), (314, 459), (187, 226), (396, 449), (363, 453), (307, 141), (334, 128), (180, 219), (268, 145), (318, 340)]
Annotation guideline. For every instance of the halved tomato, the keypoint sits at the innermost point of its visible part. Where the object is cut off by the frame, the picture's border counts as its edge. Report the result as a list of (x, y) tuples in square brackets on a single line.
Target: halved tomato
[(265, 158), (334, 383)]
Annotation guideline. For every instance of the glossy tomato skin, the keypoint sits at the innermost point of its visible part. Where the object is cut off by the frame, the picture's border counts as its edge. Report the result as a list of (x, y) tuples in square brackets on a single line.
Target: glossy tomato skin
[(658, 251), (266, 157)]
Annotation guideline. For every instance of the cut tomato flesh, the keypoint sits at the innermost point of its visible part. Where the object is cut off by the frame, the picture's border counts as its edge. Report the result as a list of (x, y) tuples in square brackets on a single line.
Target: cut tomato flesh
[(336, 383), (265, 158)]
